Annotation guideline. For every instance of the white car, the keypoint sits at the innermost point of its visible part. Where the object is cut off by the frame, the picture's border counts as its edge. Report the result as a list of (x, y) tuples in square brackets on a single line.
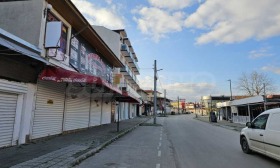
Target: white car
[(262, 135)]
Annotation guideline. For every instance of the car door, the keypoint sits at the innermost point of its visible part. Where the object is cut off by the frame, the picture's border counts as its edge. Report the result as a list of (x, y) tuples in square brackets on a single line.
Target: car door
[(257, 133), (272, 136)]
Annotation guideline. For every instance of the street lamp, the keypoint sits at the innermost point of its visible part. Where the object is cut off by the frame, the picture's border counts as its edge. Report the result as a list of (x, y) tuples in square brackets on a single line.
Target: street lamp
[(230, 89)]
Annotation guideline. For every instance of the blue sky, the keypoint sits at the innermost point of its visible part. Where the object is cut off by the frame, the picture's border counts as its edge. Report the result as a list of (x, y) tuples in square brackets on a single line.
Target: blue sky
[(199, 44)]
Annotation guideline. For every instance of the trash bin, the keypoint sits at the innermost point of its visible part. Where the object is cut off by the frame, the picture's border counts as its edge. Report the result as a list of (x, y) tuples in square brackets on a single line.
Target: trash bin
[(212, 117)]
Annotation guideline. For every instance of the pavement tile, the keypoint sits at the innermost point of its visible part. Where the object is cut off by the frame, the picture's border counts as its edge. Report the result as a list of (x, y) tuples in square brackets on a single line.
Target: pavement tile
[(57, 151)]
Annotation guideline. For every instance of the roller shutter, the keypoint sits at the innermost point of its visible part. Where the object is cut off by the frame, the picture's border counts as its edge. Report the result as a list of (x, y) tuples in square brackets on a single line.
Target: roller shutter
[(95, 113), (8, 104), (106, 113), (48, 115), (77, 112)]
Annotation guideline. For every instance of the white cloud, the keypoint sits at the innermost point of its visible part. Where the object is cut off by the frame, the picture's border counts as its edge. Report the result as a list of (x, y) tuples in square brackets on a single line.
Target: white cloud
[(156, 22), (236, 21), (262, 52), (171, 4), (274, 69), (190, 91), (107, 17)]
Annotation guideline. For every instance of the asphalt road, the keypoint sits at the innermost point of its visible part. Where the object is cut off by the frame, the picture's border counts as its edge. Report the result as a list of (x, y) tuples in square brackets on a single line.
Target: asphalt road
[(181, 142)]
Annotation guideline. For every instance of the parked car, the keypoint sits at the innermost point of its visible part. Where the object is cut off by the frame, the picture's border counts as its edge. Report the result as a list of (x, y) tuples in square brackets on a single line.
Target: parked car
[(212, 117), (262, 135)]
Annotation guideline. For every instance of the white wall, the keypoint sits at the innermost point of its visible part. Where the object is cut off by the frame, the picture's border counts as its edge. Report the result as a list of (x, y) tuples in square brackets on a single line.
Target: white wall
[(26, 117)]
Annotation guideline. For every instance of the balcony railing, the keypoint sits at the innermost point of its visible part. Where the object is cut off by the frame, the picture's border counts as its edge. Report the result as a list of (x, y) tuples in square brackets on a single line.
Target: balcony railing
[(124, 50)]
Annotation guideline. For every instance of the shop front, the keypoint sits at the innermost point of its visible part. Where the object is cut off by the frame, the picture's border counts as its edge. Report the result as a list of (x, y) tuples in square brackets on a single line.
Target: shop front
[(20, 64)]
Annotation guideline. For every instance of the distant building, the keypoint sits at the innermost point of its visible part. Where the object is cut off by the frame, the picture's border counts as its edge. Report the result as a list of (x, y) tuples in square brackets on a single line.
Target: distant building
[(246, 109)]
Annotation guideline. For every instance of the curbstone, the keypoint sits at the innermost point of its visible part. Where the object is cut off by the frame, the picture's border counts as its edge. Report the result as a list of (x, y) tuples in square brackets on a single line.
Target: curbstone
[(220, 125), (90, 153)]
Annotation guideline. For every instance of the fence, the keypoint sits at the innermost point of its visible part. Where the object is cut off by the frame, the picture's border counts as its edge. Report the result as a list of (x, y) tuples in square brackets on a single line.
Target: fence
[(241, 119)]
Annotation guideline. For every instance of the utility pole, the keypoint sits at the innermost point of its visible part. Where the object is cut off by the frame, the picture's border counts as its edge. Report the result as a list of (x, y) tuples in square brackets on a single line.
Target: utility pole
[(164, 102), (230, 89), (178, 106), (201, 106), (264, 97), (155, 91)]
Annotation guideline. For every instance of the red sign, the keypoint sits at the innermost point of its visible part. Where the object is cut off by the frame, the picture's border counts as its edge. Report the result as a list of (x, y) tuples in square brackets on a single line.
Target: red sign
[(61, 75)]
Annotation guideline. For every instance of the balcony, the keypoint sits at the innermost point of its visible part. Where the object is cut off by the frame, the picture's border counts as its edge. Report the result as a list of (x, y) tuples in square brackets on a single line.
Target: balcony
[(124, 50), (125, 70), (135, 57), (135, 67), (127, 73)]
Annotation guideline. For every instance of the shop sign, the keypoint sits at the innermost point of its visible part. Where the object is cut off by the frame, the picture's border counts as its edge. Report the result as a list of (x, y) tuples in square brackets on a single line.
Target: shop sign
[(85, 59)]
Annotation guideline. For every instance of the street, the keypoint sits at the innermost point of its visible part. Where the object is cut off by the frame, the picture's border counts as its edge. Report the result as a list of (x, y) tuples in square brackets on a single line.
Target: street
[(181, 142)]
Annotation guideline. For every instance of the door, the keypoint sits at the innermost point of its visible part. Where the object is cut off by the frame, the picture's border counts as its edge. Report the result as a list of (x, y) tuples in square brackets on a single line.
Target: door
[(272, 136), (49, 108), (8, 105), (257, 133)]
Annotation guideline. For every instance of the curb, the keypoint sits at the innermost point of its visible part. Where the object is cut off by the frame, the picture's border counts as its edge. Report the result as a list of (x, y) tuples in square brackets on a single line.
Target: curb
[(90, 153), (219, 125)]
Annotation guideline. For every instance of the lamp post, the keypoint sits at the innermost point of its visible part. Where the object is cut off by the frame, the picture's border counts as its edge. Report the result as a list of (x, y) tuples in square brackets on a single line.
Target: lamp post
[(118, 122), (230, 89)]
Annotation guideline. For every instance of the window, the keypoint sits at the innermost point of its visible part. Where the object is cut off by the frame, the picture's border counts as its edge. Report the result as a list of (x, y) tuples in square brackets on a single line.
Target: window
[(260, 122)]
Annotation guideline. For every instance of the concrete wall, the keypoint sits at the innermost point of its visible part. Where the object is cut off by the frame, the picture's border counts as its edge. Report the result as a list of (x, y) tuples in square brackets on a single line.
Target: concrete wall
[(111, 38), (27, 14), (28, 108)]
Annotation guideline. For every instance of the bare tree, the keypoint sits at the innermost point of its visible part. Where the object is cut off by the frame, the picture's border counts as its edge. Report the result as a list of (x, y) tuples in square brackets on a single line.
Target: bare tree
[(253, 84)]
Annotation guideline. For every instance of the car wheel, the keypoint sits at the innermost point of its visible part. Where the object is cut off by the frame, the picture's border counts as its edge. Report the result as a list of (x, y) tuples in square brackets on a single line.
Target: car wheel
[(245, 146)]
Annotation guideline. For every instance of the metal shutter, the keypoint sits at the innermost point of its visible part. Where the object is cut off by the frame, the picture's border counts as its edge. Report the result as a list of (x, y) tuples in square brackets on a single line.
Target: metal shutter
[(95, 112), (48, 115), (76, 112), (8, 104), (106, 113)]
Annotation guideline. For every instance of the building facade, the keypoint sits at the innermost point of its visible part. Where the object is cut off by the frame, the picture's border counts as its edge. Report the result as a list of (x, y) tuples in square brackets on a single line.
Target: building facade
[(65, 77)]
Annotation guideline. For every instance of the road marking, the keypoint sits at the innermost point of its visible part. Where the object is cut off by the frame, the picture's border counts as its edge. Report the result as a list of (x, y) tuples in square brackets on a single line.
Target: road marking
[(158, 166), (160, 138), (159, 153), (159, 144)]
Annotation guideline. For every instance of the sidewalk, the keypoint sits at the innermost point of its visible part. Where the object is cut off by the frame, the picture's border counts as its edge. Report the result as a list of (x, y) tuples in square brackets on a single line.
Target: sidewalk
[(65, 150), (222, 123)]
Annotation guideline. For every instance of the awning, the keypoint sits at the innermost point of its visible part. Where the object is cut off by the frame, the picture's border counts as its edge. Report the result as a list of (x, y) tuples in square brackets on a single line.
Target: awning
[(16, 44), (58, 74), (127, 97)]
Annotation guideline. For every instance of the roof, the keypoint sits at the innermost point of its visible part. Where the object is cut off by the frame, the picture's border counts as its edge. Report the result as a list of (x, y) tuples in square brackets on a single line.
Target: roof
[(150, 91), (74, 17), (141, 90), (19, 45)]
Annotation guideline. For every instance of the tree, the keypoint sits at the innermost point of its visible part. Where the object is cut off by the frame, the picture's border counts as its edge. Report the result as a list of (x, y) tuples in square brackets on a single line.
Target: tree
[(255, 83)]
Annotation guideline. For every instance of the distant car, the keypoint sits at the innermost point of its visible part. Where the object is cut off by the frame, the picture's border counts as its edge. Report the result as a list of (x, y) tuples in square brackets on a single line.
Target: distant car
[(212, 117), (188, 112), (262, 135), (172, 113)]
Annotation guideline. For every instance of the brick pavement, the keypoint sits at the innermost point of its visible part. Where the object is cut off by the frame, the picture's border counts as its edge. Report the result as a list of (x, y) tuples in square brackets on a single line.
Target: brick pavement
[(65, 150)]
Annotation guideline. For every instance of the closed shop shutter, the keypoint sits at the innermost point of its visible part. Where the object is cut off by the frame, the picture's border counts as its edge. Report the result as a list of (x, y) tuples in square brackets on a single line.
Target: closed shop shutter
[(48, 115), (106, 113), (132, 110), (77, 112), (8, 104), (95, 112)]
